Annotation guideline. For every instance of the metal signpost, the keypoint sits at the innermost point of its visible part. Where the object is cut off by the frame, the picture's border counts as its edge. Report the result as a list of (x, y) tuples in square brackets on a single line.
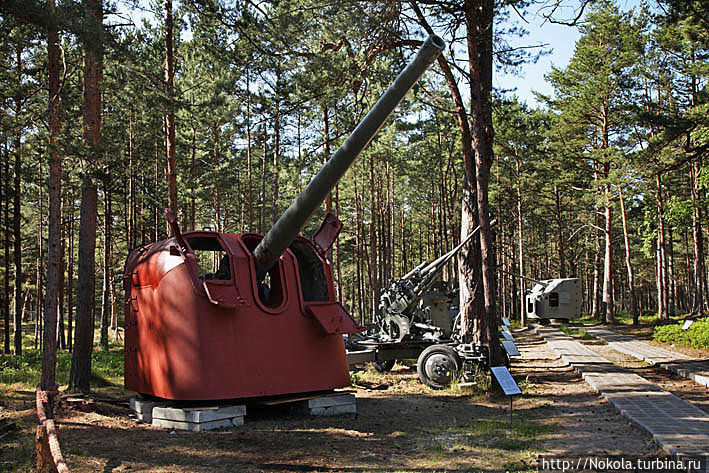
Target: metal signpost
[(507, 383)]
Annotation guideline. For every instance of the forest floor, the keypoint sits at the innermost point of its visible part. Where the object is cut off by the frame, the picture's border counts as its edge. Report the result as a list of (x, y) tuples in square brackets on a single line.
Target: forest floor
[(401, 426)]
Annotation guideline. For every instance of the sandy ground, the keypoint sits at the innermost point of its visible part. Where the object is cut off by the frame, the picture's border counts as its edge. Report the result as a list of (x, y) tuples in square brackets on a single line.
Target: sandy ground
[(400, 427)]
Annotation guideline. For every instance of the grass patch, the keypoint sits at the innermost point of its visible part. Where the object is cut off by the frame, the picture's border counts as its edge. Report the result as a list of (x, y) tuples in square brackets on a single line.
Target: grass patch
[(696, 336), (25, 371), (620, 318), (626, 318), (522, 435), (579, 332), (588, 319)]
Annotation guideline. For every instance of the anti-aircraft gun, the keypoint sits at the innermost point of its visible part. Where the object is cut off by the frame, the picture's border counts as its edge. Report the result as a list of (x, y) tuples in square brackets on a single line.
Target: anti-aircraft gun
[(415, 307), (212, 316), (416, 320)]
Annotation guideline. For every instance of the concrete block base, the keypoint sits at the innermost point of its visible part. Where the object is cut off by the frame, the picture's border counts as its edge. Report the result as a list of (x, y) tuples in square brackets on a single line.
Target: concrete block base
[(198, 419), (143, 408), (342, 404), (199, 426)]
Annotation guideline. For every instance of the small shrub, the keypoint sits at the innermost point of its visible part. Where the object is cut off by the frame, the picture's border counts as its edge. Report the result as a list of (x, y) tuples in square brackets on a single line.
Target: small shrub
[(575, 332), (696, 336), (355, 377)]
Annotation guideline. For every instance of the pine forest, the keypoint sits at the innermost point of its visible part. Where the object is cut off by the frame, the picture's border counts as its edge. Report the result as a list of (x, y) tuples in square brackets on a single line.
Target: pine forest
[(222, 111)]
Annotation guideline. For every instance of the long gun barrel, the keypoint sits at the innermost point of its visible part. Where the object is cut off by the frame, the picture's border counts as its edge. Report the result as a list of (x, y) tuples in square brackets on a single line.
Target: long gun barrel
[(441, 261), (286, 229), (428, 274)]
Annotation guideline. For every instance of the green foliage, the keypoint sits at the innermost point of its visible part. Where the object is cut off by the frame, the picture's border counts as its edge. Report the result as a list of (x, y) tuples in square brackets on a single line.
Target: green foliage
[(26, 370), (696, 336), (576, 332)]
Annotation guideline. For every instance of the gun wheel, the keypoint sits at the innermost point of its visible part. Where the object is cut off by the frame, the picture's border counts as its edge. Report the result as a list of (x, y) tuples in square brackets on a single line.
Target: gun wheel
[(437, 365)]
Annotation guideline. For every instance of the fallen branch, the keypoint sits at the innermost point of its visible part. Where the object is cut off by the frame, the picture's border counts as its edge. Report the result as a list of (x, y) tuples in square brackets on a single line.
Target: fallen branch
[(49, 455)]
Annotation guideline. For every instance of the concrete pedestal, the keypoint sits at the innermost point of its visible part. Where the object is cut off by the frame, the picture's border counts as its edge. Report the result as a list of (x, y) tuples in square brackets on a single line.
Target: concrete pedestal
[(164, 414), (198, 419), (330, 405), (143, 408)]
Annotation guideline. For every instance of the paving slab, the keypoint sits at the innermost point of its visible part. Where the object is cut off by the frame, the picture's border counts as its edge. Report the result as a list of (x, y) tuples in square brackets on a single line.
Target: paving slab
[(678, 363), (679, 427)]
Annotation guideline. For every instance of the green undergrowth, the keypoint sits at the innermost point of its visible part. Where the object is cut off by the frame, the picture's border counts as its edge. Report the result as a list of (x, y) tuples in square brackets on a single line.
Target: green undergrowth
[(25, 371), (620, 318), (696, 336), (576, 332)]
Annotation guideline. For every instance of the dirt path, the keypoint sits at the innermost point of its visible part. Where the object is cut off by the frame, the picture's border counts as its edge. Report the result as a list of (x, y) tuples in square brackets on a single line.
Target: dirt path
[(400, 427)]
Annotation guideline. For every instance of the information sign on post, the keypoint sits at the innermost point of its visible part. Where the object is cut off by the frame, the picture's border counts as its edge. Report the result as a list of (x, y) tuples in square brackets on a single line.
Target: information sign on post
[(506, 381)]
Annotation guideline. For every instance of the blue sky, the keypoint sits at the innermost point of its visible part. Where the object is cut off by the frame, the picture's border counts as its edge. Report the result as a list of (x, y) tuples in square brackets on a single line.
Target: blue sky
[(561, 41)]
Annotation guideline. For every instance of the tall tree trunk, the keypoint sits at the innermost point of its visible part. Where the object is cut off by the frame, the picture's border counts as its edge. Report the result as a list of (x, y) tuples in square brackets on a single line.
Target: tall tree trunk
[(132, 223), (38, 318), (699, 268), (17, 250), (193, 176), (106, 288), (628, 265), (80, 374), (61, 333), (479, 26), (478, 319), (54, 259), (6, 239), (671, 277), (216, 195), (608, 262), (170, 112), (326, 145), (559, 232), (373, 266), (520, 244), (662, 286), (249, 177), (276, 151), (262, 207), (70, 278), (595, 309)]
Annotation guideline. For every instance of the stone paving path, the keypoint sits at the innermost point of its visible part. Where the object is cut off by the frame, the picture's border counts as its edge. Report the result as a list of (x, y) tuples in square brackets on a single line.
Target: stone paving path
[(679, 427), (679, 363)]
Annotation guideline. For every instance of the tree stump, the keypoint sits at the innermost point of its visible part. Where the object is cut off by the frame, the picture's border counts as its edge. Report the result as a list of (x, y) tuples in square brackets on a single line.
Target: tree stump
[(45, 461)]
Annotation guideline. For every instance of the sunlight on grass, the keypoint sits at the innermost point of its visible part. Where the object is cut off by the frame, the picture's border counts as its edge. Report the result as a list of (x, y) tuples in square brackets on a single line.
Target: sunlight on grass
[(576, 332), (696, 336), (25, 371)]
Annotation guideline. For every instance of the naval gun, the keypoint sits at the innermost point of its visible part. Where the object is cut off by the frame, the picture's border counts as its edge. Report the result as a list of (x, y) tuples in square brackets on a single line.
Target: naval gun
[(552, 299), (417, 307), (211, 316)]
